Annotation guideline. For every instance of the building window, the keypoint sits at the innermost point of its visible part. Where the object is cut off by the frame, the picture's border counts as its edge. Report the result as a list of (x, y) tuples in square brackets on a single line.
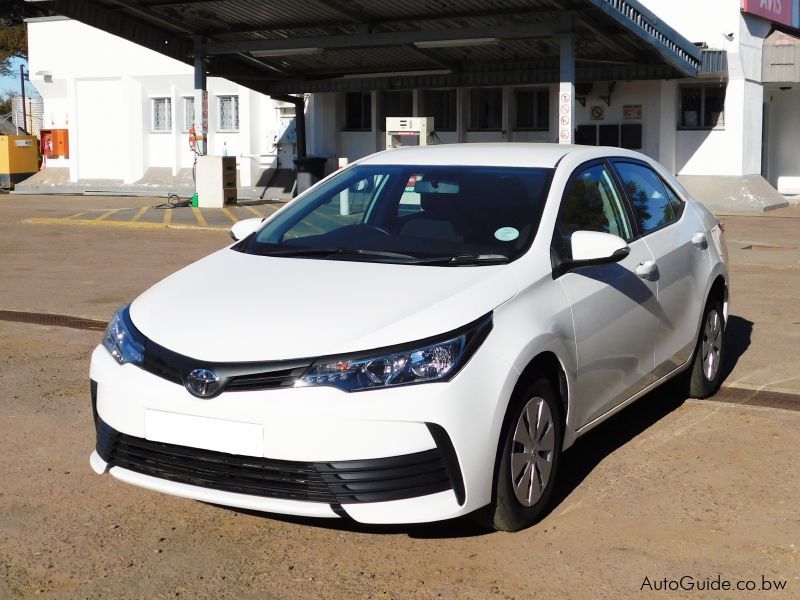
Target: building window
[(627, 135), (358, 111), (486, 109), (442, 106), (228, 113), (702, 107), (162, 114), (188, 113), (532, 110), (395, 104)]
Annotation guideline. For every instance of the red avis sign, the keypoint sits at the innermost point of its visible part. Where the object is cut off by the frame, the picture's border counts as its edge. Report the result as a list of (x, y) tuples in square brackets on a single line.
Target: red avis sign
[(779, 11)]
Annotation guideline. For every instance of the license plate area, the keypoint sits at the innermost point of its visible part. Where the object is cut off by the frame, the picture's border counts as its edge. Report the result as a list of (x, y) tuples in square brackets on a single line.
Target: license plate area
[(219, 435)]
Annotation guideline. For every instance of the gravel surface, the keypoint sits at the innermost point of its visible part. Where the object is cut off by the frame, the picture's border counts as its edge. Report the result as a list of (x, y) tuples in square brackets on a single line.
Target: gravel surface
[(666, 489)]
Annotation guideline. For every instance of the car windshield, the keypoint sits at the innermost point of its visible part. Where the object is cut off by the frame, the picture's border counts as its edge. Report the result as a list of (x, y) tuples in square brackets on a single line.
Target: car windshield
[(436, 215)]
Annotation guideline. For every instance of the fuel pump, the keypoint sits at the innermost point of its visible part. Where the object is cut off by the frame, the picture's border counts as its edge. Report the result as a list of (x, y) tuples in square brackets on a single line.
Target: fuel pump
[(408, 131)]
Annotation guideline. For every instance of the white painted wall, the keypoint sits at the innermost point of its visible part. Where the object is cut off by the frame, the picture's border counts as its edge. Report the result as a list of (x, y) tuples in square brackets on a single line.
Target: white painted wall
[(100, 156), (735, 149), (100, 87), (326, 120), (699, 20), (783, 138)]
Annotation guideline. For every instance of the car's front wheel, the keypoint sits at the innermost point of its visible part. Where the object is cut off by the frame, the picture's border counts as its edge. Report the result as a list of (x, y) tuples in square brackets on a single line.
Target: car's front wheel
[(705, 375), (530, 449)]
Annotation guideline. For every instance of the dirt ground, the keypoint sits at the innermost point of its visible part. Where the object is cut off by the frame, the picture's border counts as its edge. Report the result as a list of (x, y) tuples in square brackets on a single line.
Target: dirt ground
[(669, 488)]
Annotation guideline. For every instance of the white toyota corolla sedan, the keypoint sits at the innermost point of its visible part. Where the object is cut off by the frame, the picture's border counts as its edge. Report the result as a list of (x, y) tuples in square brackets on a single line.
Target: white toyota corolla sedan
[(417, 337)]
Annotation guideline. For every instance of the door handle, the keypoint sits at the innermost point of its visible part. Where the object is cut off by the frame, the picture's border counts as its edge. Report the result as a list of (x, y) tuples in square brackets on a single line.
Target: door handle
[(699, 240), (646, 268)]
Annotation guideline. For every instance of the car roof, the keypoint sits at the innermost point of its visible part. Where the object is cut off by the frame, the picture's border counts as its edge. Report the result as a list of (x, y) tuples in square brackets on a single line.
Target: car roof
[(501, 154)]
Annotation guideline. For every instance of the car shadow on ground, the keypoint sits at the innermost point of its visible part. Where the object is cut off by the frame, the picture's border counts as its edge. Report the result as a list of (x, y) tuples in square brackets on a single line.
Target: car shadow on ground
[(738, 332), (576, 463)]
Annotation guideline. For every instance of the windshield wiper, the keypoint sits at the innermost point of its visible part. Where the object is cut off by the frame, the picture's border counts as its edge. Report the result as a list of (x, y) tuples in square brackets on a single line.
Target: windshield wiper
[(463, 259), (333, 253)]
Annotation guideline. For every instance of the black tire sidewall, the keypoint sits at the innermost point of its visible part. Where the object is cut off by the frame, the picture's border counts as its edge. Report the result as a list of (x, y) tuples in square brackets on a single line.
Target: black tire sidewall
[(509, 514), (699, 386)]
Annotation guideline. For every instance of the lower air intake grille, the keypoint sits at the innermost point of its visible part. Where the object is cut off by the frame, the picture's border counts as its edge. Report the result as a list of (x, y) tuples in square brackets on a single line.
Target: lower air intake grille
[(342, 482)]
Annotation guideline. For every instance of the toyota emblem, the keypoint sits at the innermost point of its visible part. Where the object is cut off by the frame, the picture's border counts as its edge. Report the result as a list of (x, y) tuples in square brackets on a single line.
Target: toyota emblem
[(202, 383)]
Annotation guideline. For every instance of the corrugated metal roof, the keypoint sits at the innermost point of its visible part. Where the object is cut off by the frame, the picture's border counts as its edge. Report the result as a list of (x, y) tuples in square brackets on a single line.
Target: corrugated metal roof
[(714, 62), (613, 38)]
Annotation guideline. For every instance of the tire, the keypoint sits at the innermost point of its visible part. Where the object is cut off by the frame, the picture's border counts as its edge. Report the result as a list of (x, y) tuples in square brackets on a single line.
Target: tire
[(522, 487), (705, 373)]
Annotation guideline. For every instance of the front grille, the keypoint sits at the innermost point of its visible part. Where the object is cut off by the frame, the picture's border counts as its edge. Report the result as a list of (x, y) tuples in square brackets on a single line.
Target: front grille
[(235, 377), (265, 381), (336, 482)]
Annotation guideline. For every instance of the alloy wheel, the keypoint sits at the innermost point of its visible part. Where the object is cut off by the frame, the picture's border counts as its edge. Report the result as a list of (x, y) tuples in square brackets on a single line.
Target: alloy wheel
[(712, 345), (532, 451)]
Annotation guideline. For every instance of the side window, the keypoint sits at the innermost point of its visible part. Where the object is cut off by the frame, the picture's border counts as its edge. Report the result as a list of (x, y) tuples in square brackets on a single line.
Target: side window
[(674, 200), (651, 206), (591, 203)]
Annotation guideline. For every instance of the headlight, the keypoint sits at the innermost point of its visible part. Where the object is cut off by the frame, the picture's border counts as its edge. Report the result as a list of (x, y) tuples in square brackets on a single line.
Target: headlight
[(122, 339), (422, 362)]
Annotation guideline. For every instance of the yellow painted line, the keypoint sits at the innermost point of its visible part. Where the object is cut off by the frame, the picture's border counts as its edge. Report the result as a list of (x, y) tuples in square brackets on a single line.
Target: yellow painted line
[(230, 215), (94, 222), (199, 228), (314, 227), (107, 214), (139, 214), (199, 216), (254, 211), (122, 224), (75, 215), (167, 217)]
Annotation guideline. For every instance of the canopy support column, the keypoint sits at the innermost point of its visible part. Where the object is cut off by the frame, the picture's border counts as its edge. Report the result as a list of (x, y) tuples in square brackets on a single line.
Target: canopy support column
[(200, 96), (566, 88)]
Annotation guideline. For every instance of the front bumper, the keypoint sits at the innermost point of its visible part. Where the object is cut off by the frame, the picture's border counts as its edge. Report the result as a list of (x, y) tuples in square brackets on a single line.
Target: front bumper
[(411, 454)]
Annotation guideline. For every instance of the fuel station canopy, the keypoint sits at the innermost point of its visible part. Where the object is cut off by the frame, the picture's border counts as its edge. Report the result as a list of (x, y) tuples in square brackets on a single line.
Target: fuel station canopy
[(283, 47)]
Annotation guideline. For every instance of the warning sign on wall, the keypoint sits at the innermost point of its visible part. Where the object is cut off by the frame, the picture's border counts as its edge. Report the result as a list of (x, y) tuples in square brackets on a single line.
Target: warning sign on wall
[(632, 112), (597, 112)]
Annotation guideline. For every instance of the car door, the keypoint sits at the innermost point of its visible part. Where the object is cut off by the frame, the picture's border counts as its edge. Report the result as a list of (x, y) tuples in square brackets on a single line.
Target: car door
[(677, 240), (613, 308)]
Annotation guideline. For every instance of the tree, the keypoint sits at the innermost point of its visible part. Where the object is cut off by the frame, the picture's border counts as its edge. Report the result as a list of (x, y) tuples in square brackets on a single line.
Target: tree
[(13, 38)]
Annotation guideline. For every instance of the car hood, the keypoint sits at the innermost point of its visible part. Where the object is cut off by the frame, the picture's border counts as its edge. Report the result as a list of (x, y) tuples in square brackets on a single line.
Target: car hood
[(232, 306)]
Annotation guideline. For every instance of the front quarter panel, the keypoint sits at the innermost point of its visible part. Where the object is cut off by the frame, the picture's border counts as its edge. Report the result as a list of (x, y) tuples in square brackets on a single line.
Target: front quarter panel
[(537, 321)]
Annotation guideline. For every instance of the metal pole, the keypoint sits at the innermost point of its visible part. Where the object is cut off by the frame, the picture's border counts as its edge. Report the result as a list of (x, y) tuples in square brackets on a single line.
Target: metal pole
[(22, 83), (566, 88), (200, 94)]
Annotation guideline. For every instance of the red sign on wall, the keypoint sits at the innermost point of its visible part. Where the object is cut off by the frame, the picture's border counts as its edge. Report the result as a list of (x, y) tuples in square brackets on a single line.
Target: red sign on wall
[(779, 11)]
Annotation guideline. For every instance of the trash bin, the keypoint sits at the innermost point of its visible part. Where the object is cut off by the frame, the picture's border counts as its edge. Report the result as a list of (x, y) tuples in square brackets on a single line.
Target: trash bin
[(310, 169)]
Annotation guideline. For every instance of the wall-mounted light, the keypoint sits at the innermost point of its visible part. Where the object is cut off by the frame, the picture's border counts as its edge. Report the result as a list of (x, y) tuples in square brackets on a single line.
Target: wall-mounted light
[(462, 43), (397, 74), (286, 52)]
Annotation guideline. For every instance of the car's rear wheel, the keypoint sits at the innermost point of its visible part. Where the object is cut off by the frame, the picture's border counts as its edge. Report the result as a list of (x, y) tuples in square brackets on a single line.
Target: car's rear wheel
[(705, 375), (530, 449)]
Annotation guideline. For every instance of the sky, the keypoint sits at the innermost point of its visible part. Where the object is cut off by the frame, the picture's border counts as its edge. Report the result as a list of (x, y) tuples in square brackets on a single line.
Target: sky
[(11, 84)]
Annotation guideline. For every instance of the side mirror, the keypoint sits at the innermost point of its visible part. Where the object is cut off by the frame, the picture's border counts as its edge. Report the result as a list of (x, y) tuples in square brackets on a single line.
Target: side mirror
[(593, 248), (245, 227)]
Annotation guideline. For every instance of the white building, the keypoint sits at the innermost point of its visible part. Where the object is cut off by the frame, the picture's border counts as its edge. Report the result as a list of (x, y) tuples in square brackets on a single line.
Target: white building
[(127, 108), (709, 126), (127, 111)]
